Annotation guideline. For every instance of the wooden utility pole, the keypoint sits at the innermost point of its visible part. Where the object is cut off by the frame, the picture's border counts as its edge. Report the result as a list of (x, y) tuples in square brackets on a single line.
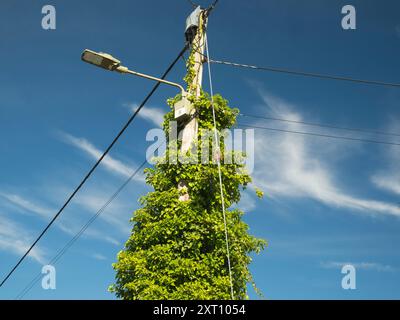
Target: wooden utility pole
[(190, 130)]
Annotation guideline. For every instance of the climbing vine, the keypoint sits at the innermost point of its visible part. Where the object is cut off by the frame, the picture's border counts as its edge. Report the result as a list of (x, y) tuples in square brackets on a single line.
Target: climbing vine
[(177, 248)]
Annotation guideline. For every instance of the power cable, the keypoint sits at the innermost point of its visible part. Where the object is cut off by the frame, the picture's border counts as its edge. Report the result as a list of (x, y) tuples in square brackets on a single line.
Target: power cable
[(320, 135), (61, 252), (192, 4), (307, 74), (212, 7), (219, 170), (330, 126), (95, 166)]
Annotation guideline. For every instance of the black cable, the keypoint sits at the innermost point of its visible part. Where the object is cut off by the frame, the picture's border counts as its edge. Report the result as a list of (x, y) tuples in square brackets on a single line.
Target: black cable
[(208, 10), (320, 135), (211, 8), (307, 74), (214, 4), (60, 253), (192, 3), (322, 125), (95, 166)]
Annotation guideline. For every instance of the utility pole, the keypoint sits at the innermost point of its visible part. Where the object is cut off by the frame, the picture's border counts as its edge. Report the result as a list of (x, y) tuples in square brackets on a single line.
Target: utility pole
[(197, 23)]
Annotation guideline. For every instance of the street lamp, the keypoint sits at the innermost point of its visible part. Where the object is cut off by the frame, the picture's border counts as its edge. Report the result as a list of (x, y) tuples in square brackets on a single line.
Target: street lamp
[(108, 62), (100, 59)]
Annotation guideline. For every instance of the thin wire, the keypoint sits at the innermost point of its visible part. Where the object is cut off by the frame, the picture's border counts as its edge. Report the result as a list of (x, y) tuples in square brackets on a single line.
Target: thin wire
[(307, 74), (61, 252), (321, 135), (193, 4), (212, 7), (322, 125), (184, 59), (215, 3), (219, 169), (94, 167)]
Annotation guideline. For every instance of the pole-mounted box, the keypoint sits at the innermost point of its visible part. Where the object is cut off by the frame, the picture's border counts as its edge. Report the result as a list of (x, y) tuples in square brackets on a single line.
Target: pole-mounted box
[(182, 109), (192, 24)]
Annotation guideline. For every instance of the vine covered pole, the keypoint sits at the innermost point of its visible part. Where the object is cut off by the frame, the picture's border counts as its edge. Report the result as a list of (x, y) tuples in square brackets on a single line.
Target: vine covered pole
[(190, 129)]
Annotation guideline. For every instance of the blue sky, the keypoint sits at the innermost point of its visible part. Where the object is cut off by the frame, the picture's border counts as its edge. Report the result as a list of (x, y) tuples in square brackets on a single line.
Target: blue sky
[(327, 202)]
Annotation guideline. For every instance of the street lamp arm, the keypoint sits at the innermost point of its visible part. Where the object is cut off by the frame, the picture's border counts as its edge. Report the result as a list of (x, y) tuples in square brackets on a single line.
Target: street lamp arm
[(123, 69), (108, 62)]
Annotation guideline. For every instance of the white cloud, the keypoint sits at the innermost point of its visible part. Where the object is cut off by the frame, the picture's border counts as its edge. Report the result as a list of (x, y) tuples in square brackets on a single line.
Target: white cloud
[(247, 202), (69, 224), (388, 182), (111, 164), (23, 204), (296, 166), (27, 205), (117, 218), (153, 115), (116, 213), (389, 178), (14, 239), (98, 256), (372, 266), (100, 235)]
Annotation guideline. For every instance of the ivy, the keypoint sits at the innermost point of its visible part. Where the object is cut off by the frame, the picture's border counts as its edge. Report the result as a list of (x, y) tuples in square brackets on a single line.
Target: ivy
[(177, 249)]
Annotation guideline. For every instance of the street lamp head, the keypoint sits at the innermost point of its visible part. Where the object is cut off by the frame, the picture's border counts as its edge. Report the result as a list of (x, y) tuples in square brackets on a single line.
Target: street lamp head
[(108, 62), (100, 59)]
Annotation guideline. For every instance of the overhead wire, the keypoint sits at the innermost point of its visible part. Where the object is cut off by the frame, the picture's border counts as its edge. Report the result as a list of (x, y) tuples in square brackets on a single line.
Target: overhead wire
[(61, 252), (304, 73), (321, 125), (219, 171), (94, 167), (307, 74), (192, 3), (70, 243), (321, 135)]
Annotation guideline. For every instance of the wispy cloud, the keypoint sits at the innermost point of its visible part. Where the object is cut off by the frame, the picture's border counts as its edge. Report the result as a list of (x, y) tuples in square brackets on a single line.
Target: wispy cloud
[(389, 178), (110, 163), (15, 239), (115, 215), (372, 266), (151, 114), (23, 204), (292, 166), (388, 182), (27, 205), (99, 256), (247, 202), (70, 224), (115, 219)]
